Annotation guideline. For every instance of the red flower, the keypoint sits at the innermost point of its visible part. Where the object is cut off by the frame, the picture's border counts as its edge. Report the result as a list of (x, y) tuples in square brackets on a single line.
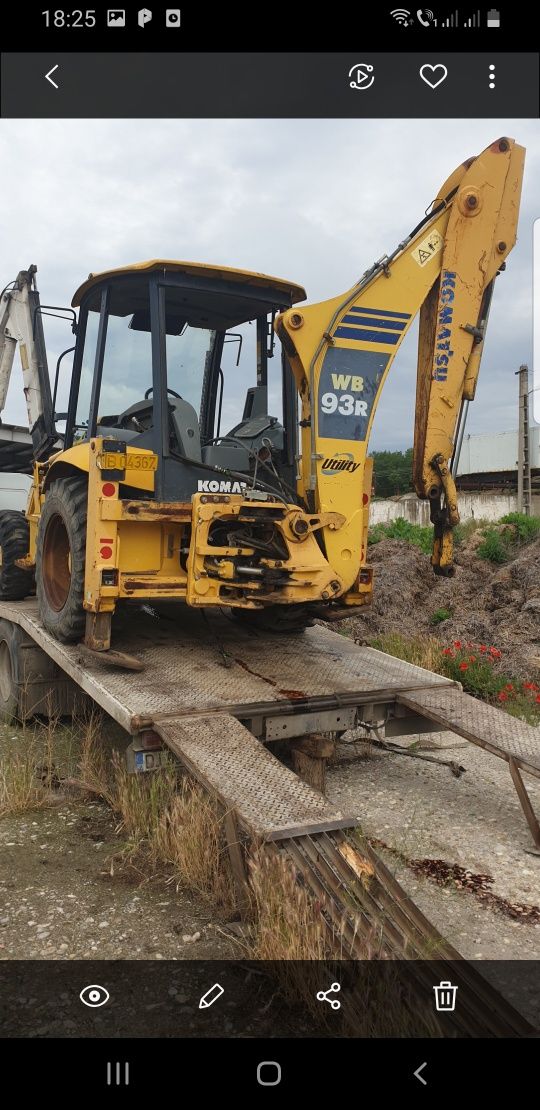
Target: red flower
[(463, 666), (509, 686), (495, 653), (538, 698), (528, 685), (502, 696), (448, 651), (472, 658), (457, 644), (483, 648)]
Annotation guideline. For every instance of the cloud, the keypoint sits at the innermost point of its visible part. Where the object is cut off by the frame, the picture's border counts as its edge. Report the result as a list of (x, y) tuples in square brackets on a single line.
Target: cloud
[(315, 200)]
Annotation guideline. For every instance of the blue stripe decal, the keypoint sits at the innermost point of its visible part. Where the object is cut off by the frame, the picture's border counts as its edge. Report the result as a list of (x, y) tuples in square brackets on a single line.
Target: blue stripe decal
[(394, 325), (382, 312), (367, 336)]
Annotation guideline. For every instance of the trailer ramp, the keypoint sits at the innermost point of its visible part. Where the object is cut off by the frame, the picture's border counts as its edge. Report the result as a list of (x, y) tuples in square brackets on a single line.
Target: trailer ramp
[(363, 907)]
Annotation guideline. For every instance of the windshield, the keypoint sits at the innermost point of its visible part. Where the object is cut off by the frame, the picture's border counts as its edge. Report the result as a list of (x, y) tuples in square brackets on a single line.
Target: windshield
[(127, 363)]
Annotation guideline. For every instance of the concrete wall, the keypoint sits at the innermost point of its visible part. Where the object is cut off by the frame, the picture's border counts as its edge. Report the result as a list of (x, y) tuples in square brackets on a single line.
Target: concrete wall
[(481, 506)]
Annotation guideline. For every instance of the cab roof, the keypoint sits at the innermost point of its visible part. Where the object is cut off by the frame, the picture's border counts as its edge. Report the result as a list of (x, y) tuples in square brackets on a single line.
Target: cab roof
[(218, 296)]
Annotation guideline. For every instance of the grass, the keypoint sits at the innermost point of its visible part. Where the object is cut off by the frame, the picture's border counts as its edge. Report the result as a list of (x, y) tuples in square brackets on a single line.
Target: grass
[(500, 541), (441, 615), (31, 759), (479, 668), (494, 547), (401, 529), (168, 825), (464, 531), (289, 924), (172, 827)]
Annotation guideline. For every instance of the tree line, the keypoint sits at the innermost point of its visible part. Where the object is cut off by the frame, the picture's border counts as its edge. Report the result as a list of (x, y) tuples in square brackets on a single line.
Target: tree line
[(392, 472)]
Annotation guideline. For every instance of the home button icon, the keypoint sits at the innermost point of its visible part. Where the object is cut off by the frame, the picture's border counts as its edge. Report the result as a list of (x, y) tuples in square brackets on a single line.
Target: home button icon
[(268, 1073)]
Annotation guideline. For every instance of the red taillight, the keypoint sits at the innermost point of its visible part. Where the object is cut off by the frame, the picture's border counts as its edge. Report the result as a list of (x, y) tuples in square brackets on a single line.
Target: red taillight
[(108, 489)]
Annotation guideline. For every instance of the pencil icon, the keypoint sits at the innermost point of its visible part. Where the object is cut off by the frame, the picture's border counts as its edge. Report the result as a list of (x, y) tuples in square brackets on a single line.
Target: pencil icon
[(211, 996)]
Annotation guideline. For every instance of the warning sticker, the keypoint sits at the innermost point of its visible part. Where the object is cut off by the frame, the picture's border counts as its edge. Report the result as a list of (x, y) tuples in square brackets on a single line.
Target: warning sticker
[(430, 246)]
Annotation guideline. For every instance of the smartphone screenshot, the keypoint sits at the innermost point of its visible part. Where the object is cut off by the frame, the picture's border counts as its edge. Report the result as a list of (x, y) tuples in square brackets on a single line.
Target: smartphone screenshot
[(269, 550)]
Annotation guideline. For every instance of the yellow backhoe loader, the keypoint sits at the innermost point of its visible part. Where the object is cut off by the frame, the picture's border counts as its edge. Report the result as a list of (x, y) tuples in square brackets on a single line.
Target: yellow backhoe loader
[(147, 496)]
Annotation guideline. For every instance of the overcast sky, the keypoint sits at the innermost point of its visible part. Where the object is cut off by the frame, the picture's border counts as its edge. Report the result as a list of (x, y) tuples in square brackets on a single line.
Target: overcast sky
[(313, 201)]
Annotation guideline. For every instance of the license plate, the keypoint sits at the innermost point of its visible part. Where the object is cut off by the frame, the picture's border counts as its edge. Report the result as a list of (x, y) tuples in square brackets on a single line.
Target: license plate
[(113, 460)]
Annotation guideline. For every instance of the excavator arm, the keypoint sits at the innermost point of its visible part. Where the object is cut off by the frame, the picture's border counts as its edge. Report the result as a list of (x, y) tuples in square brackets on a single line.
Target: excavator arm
[(21, 326), (341, 351)]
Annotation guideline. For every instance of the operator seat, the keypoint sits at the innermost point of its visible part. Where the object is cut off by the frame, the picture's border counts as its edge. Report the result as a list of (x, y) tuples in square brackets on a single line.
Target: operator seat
[(184, 425), (186, 428)]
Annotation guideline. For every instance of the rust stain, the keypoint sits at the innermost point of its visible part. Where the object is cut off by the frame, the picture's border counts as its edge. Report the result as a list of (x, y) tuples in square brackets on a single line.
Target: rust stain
[(155, 585), (156, 509), (293, 695), (245, 667)]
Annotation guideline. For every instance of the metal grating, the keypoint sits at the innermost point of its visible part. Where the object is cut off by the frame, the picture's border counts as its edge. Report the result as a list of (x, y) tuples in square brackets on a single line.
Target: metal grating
[(485, 725), (198, 665), (269, 800)]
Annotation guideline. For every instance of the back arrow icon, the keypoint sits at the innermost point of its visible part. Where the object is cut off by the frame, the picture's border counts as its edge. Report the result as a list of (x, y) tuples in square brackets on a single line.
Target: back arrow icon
[(49, 78), (420, 1077)]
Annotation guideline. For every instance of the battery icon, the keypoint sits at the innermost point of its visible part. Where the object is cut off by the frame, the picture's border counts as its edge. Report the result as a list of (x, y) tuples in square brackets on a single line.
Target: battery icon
[(493, 18)]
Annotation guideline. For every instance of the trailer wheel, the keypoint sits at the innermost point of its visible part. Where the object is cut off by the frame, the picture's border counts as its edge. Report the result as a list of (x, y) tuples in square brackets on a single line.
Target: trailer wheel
[(9, 692), (275, 618), (60, 559), (15, 583)]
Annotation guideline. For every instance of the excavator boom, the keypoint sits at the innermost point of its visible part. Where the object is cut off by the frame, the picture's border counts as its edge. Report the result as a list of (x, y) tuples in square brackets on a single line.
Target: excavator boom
[(21, 326), (341, 350)]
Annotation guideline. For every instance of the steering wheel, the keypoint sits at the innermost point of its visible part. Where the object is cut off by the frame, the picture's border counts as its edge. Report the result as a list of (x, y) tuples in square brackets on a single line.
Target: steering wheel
[(172, 391)]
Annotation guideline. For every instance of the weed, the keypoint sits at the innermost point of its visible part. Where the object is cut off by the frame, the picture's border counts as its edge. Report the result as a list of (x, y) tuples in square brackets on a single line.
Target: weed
[(21, 788), (441, 615), (502, 541), (290, 925), (464, 531), (526, 528), (478, 667), (401, 529), (189, 837), (423, 651), (494, 547)]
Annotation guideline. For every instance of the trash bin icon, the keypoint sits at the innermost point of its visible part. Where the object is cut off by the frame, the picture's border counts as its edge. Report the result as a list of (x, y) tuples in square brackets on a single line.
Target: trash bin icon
[(445, 997)]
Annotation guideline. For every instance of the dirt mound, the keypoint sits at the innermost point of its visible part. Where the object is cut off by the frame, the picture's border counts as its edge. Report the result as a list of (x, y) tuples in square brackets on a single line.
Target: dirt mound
[(488, 604)]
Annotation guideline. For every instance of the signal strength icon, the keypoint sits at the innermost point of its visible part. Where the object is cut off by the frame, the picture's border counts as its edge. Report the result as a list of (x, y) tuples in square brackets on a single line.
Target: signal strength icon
[(402, 16)]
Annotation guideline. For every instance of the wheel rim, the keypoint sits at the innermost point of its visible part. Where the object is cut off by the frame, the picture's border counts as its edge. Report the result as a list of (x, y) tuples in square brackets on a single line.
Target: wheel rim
[(56, 563), (6, 677)]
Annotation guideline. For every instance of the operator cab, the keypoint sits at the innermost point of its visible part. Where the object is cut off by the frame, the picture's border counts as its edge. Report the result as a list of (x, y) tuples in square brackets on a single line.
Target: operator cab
[(149, 370)]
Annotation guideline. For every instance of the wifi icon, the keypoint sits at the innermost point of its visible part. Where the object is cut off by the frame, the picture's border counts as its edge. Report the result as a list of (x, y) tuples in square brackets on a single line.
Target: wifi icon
[(401, 15)]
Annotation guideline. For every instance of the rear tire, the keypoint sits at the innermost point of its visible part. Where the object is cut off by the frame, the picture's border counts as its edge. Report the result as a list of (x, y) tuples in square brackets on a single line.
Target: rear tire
[(15, 583), (9, 691), (275, 618), (60, 559)]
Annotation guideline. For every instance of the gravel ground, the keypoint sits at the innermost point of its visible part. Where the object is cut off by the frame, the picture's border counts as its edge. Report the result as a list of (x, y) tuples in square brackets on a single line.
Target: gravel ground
[(422, 811), (59, 900)]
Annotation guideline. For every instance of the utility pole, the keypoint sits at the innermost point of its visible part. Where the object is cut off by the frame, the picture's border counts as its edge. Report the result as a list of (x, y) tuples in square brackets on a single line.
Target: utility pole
[(524, 458)]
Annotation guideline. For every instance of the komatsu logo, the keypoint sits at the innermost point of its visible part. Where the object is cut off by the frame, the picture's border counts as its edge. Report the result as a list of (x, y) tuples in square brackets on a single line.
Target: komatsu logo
[(205, 485), (339, 463), (443, 345)]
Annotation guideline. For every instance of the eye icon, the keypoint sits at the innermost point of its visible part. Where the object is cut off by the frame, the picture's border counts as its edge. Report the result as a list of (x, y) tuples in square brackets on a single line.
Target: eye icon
[(94, 996)]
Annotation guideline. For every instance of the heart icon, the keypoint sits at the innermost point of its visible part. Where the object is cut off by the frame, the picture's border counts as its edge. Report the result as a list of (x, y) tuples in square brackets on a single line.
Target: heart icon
[(433, 75)]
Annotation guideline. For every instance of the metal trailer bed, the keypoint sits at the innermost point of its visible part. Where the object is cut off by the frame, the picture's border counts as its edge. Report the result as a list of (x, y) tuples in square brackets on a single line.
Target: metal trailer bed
[(213, 690)]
